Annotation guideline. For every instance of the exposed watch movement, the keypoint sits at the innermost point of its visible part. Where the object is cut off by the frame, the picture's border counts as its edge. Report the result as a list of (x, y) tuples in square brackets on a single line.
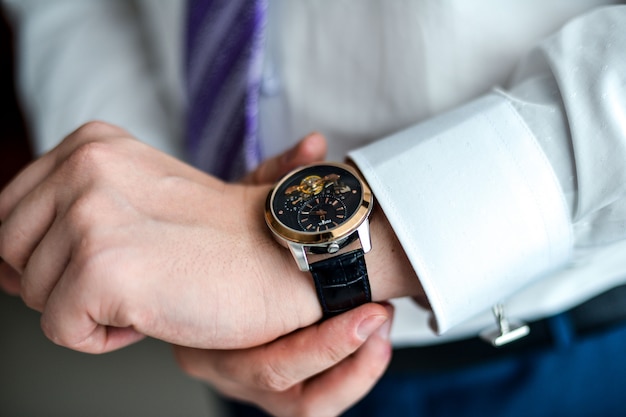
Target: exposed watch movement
[(320, 209)]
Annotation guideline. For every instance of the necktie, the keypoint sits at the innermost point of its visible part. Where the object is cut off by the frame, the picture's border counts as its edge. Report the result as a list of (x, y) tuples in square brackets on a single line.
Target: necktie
[(223, 46)]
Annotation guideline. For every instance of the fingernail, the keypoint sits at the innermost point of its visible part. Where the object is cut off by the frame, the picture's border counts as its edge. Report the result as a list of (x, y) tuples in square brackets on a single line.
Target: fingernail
[(369, 326), (384, 331)]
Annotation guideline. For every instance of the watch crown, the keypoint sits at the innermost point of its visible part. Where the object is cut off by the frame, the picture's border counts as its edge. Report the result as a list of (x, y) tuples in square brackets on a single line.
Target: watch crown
[(333, 247)]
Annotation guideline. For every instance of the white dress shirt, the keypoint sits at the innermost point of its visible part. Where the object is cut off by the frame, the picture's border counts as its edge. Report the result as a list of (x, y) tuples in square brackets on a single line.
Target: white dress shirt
[(493, 133)]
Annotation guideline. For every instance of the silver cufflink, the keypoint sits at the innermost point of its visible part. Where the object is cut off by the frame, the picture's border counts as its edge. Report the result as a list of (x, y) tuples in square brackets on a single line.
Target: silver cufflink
[(505, 331)]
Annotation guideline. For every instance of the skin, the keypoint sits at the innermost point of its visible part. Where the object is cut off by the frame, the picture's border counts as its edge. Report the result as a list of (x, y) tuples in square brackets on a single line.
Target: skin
[(112, 241), (320, 370)]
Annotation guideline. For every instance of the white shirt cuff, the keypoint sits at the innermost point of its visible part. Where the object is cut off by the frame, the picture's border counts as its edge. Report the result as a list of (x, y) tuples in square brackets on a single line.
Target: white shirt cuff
[(475, 204)]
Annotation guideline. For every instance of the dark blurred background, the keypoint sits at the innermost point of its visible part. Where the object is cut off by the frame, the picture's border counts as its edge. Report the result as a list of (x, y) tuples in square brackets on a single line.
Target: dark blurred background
[(14, 147)]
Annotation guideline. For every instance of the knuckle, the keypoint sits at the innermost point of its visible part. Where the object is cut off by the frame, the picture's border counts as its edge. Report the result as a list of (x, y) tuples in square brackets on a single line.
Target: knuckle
[(87, 133), (332, 353), (271, 378), (89, 158), (95, 128), (82, 214), (60, 334)]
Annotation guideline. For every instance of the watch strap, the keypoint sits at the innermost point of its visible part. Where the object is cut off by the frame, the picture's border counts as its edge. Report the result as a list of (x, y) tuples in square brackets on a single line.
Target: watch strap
[(341, 282)]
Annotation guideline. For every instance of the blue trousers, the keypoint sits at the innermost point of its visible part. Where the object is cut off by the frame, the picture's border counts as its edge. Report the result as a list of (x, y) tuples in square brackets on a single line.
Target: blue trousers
[(575, 376)]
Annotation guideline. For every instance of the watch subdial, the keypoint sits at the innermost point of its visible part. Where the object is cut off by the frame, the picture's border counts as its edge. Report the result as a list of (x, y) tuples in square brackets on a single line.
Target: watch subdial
[(292, 203), (321, 213)]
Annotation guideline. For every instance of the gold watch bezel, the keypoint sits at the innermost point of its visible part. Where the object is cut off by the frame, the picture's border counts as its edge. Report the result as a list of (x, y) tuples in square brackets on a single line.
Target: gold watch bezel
[(320, 238)]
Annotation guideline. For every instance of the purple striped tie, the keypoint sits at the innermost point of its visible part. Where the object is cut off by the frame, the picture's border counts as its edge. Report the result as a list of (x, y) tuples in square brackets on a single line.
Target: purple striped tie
[(224, 41)]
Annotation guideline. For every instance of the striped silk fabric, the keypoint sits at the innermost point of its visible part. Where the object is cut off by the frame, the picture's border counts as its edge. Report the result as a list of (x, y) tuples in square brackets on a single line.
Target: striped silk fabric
[(223, 57)]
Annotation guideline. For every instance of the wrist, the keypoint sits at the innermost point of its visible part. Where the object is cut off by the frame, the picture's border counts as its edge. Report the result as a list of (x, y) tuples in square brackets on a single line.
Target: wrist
[(390, 275), (320, 213), (289, 294), (390, 271)]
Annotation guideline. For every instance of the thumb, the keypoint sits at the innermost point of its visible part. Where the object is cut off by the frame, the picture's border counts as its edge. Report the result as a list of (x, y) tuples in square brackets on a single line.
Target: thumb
[(310, 149)]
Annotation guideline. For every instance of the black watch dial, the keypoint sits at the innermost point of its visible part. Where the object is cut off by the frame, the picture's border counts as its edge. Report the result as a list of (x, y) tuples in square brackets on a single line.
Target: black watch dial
[(318, 198)]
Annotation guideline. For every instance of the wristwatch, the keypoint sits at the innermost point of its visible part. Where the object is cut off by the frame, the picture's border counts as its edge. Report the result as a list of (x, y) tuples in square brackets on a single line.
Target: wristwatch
[(317, 211)]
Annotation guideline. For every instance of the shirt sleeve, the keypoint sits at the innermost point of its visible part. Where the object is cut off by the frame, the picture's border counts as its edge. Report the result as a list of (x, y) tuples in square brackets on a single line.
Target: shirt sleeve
[(88, 60), (496, 195)]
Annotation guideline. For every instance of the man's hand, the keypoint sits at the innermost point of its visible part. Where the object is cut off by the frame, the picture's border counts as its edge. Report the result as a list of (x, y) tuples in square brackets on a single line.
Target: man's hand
[(114, 240), (309, 150), (321, 370)]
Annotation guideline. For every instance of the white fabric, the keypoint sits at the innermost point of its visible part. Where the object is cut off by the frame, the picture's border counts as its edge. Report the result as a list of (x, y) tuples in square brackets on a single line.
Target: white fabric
[(486, 210), (115, 61), (362, 71)]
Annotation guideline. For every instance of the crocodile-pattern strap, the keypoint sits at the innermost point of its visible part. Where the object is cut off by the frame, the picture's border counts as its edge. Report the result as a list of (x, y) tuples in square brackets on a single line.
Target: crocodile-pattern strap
[(341, 282)]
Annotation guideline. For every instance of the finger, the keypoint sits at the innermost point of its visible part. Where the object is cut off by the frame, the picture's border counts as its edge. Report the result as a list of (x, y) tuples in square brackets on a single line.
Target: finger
[(293, 358), (102, 339), (41, 168), (9, 279), (76, 317), (25, 181), (22, 230), (46, 264), (310, 149), (335, 390), (317, 348), (26, 209)]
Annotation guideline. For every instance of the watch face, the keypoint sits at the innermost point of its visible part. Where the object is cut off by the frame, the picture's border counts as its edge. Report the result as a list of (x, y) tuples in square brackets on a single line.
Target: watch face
[(319, 199)]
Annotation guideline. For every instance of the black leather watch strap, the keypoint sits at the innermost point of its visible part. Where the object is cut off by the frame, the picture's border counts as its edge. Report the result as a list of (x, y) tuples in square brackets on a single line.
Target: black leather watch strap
[(341, 282)]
